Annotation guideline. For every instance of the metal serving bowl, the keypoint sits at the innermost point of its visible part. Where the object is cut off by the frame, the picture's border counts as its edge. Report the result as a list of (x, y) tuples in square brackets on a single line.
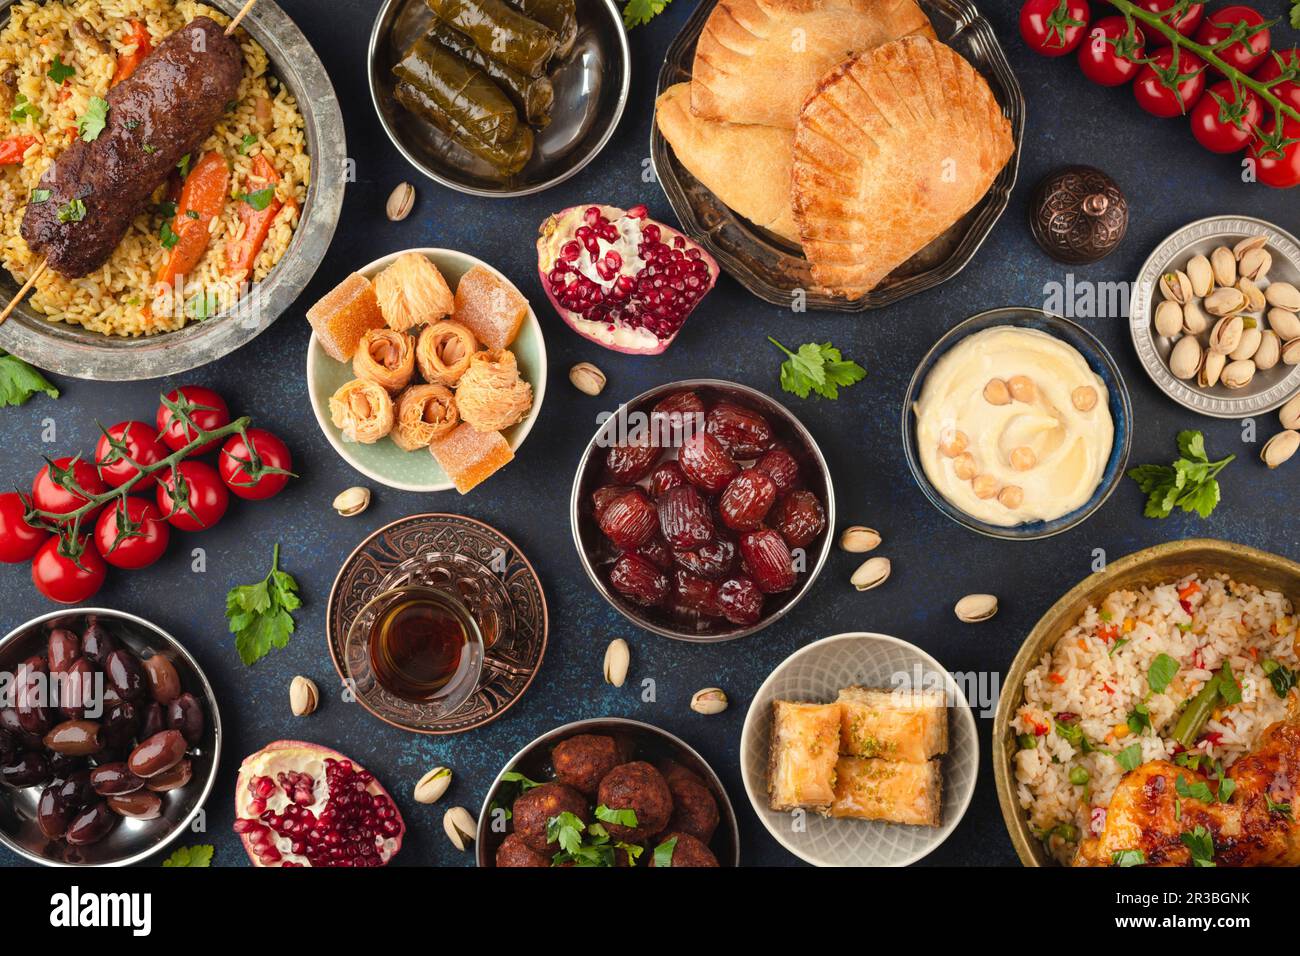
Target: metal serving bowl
[(596, 552), (80, 353), (649, 743), (591, 88), (776, 271), (1163, 563), (132, 840)]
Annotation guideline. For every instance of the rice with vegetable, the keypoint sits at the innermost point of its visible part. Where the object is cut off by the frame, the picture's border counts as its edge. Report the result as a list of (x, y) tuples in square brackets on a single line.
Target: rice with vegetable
[(57, 63), (1190, 671)]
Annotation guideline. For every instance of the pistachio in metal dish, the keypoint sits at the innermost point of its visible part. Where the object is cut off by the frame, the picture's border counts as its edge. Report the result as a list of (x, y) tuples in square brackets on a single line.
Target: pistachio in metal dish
[(1290, 413), (1227, 300), (1226, 334), (1168, 323), (1201, 275), (1237, 375), (1176, 286), (1269, 352), (1224, 264), (1283, 295), (1248, 345), (1185, 359), (1211, 369), (1285, 324)]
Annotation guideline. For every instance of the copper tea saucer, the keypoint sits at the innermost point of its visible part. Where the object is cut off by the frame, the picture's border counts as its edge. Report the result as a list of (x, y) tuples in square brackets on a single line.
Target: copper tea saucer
[(491, 576)]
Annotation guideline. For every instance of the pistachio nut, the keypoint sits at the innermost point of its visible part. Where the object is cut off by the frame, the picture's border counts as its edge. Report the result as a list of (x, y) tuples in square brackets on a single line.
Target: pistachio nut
[(871, 574), (431, 787), (1175, 286), (1238, 374), (1185, 359), (587, 379), (1255, 300), (617, 658), (1280, 448), (1201, 274), (1226, 334), (1269, 352), (460, 827), (1225, 266), (352, 502), (709, 701), (974, 608), (1248, 345), (1247, 244), (1283, 295), (1168, 323), (1291, 352), (1254, 264), (859, 539), (1227, 300), (1290, 413), (1285, 324), (303, 696), (1211, 369), (1194, 320), (400, 202)]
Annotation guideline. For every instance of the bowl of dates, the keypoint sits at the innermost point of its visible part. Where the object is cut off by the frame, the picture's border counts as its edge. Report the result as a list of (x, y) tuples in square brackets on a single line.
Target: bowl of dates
[(109, 738), (703, 510)]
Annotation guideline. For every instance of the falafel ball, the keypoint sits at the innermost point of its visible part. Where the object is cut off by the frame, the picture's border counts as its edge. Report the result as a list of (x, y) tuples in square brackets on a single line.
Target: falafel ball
[(513, 852), (673, 770), (694, 809), (639, 787), (687, 851), (583, 760), (533, 809)]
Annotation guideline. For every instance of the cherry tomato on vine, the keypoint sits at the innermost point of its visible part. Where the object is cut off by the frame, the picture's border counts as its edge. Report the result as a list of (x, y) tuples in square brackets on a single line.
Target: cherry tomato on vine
[(1224, 122), (1108, 56), (257, 473), (1186, 24), (1277, 161), (135, 440), (206, 409), (195, 502), (48, 495), (1054, 27), (1249, 51), (65, 579), (1280, 62), (1163, 91), (132, 538), (19, 541)]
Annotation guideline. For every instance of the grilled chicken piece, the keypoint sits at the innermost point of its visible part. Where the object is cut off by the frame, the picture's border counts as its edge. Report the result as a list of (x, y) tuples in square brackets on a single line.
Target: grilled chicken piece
[(1143, 814)]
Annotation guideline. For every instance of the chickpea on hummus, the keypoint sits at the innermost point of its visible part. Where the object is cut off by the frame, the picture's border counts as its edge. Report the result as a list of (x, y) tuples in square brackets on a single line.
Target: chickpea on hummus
[(1013, 426)]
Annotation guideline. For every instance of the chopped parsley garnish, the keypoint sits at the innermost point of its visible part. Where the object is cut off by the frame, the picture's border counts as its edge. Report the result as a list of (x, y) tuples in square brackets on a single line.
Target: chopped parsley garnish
[(60, 71), (1280, 808), (166, 209), (1130, 758), (1201, 842), (1280, 676), (1116, 646), (1197, 790), (565, 829), (192, 213), (167, 235), (664, 852), (623, 818), (72, 211), (39, 196), (258, 200), (1161, 673), (513, 776), (149, 148), (1227, 787), (96, 118), (1229, 686), (23, 108), (184, 165), (1139, 719), (247, 141), (1126, 858)]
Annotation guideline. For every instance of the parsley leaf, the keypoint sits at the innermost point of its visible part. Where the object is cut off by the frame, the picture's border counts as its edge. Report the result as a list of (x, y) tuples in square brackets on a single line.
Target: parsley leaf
[(258, 200), (60, 71), (566, 830), (23, 108), (1282, 808), (167, 235), (1190, 483), (247, 141), (1229, 686), (259, 613), (1130, 758), (664, 852), (184, 165), (1139, 719), (1280, 676), (19, 381), (96, 118), (1161, 672), (624, 818), (1197, 790), (1126, 858), (72, 211), (40, 195), (192, 856), (1201, 842), (642, 11), (817, 369)]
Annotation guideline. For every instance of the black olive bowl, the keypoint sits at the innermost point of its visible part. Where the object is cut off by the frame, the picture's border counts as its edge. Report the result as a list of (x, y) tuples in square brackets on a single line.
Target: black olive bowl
[(597, 553), (648, 743), (131, 841)]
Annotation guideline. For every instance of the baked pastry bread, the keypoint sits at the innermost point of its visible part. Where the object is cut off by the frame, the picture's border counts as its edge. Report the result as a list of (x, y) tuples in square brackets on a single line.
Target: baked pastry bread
[(469, 456), (895, 146), (411, 292), (347, 312), (804, 748), (443, 352), (756, 60), (386, 358), (898, 724), (423, 413), (758, 188), (491, 395), (910, 793), (362, 410)]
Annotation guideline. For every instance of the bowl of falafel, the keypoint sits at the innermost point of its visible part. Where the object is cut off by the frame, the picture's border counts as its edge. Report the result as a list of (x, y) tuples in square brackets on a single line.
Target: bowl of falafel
[(607, 792)]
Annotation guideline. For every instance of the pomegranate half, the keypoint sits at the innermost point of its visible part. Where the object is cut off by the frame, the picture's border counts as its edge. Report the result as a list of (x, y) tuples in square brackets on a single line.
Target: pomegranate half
[(301, 804), (621, 279)]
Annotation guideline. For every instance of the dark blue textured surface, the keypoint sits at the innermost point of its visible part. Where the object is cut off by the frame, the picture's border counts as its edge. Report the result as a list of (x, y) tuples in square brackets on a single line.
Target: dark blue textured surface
[(1168, 181)]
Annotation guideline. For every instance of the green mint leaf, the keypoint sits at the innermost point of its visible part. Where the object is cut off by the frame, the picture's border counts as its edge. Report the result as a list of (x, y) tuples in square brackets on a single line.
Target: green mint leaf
[(192, 856), (19, 381)]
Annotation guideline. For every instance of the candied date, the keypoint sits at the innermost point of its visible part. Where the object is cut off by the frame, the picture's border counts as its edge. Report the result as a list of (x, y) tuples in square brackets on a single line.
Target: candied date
[(712, 560), (698, 594), (629, 520), (666, 476), (630, 462), (740, 601), (744, 433), (677, 416), (768, 559), (747, 499), (800, 518), (657, 552), (706, 463), (604, 495), (782, 467), (684, 518), (638, 580)]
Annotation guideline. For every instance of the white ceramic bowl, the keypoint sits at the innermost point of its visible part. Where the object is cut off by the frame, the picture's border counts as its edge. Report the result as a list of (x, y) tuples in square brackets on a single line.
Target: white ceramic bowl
[(383, 461), (817, 672)]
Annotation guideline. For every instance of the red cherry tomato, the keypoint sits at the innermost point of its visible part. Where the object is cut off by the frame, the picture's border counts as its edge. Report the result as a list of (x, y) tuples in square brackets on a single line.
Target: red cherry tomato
[(54, 498), (1155, 86), (1186, 24), (1108, 56), (200, 501), (1283, 62), (19, 541), (1245, 54), (65, 579), (1054, 27), (205, 407), (138, 541), (1223, 122), (139, 443), (1278, 167), (244, 470)]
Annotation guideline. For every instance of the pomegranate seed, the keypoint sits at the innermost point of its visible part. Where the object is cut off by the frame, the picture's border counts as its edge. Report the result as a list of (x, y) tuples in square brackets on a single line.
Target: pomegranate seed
[(592, 215), (570, 250)]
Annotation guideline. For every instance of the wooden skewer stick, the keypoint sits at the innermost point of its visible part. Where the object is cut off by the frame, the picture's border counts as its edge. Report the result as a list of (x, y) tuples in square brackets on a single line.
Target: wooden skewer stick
[(26, 287), (243, 11)]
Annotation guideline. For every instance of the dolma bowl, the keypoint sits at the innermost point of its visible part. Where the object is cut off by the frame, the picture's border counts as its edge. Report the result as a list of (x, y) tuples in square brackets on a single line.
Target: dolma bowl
[(591, 87)]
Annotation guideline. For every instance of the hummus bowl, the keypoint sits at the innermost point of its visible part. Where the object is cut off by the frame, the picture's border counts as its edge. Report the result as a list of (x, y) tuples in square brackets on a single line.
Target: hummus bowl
[(1107, 374)]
